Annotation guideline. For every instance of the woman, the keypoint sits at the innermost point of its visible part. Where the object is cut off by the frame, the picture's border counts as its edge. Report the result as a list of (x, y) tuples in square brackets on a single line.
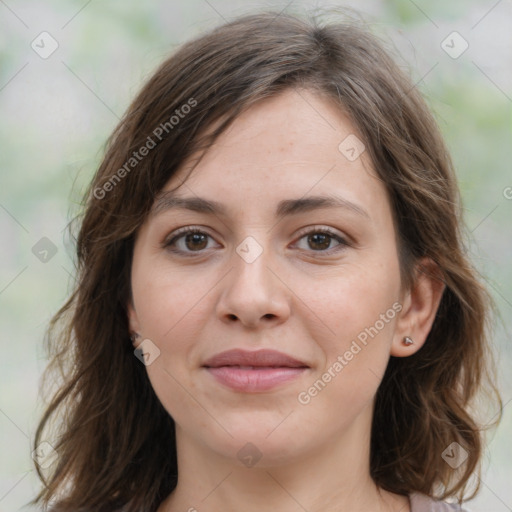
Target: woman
[(274, 309)]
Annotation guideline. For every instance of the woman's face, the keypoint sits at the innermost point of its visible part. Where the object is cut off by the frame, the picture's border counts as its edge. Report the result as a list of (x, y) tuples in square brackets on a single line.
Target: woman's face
[(300, 258)]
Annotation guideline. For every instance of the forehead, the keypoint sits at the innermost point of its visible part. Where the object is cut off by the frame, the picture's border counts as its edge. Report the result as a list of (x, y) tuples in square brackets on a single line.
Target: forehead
[(290, 145)]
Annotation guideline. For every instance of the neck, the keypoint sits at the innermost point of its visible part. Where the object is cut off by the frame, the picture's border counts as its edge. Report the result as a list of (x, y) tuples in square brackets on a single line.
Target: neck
[(333, 475)]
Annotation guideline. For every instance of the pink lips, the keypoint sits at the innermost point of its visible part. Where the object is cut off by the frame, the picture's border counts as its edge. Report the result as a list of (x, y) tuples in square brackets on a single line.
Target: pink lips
[(247, 371)]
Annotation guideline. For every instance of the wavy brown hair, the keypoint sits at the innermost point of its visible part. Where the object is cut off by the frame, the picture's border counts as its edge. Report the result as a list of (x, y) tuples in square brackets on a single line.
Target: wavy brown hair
[(115, 442)]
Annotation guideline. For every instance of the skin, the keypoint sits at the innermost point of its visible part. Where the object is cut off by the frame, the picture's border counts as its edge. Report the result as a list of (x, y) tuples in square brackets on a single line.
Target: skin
[(300, 296)]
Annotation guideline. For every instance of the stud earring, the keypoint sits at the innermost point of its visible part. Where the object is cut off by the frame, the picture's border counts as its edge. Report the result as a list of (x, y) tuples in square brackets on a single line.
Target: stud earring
[(408, 341)]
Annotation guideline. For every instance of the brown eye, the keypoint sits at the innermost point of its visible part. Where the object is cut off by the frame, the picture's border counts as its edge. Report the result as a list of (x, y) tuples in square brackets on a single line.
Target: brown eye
[(188, 241), (195, 241), (320, 240)]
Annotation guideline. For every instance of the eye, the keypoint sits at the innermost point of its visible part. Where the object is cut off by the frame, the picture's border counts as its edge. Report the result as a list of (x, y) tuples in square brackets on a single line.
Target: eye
[(192, 240), (320, 239)]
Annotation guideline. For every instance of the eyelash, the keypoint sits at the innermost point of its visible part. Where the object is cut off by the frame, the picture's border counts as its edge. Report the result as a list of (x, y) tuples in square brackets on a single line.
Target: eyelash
[(170, 242)]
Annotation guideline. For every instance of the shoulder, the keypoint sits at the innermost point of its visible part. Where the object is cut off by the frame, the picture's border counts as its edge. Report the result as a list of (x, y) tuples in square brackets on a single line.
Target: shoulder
[(423, 503)]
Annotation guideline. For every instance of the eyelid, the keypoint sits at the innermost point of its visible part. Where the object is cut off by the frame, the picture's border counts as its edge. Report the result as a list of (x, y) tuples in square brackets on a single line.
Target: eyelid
[(323, 229), (185, 230)]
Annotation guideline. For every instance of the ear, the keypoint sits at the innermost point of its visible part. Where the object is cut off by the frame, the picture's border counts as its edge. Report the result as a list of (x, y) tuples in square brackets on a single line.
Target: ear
[(419, 307), (133, 321)]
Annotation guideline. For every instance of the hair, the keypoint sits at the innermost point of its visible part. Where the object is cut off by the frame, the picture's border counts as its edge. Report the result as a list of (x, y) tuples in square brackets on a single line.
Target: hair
[(115, 442)]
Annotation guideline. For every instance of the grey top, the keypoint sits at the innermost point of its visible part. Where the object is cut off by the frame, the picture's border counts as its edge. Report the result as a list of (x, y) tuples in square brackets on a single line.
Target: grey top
[(423, 503)]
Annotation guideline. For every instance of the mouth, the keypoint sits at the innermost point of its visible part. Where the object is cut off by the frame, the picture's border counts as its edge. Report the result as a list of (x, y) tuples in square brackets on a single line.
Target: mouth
[(258, 371)]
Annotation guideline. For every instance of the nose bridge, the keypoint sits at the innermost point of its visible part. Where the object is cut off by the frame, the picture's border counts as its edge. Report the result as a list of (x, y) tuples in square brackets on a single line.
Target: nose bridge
[(251, 261), (252, 291)]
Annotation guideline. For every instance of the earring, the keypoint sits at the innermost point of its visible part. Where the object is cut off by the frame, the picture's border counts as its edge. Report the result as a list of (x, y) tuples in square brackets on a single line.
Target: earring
[(407, 341), (134, 336)]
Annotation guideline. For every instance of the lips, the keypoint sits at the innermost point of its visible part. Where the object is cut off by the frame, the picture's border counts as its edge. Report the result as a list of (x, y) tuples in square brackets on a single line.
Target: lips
[(257, 359), (252, 372)]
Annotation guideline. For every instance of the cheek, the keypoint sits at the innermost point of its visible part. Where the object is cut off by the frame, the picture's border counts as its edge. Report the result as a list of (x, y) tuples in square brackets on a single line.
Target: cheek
[(170, 317), (165, 300), (170, 314), (360, 311), (355, 301)]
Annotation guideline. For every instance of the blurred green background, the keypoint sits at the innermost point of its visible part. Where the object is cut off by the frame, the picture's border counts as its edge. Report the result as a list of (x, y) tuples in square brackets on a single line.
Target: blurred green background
[(56, 113)]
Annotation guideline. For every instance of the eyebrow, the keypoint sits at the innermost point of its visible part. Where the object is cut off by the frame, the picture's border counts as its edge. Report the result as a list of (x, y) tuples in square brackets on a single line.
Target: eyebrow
[(285, 208)]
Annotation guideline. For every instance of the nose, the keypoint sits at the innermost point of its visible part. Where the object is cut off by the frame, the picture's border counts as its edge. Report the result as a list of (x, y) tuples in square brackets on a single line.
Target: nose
[(254, 294)]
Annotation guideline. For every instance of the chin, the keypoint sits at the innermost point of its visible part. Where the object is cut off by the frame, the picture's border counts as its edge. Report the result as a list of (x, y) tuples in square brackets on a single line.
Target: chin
[(254, 444)]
